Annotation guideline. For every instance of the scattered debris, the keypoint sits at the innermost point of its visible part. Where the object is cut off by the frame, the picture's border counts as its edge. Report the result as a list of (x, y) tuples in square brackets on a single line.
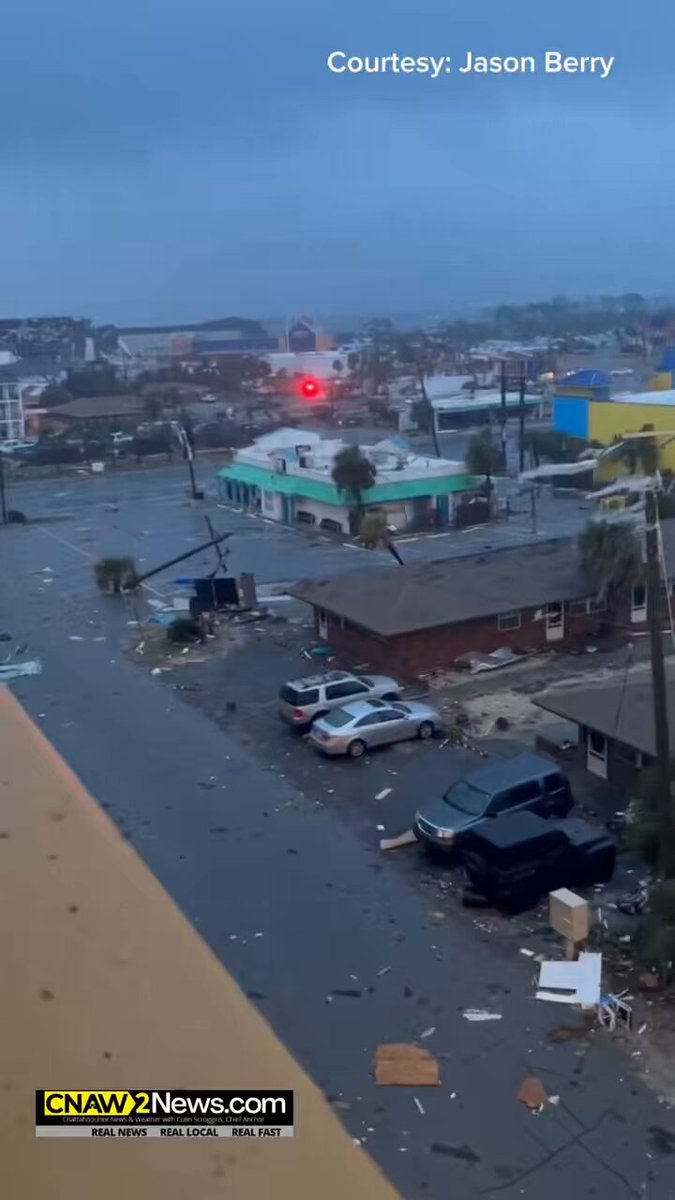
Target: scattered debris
[(383, 794), (480, 1014), (554, 1100), (649, 982), (526, 952), (642, 1029), (405, 1065), (464, 1152), (419, 1106), (384, 971), (569, 1033), (613, 1010), (405, 839), (532, 1093), (428, 1032), (571, 982), (9, 671), (380, 828)]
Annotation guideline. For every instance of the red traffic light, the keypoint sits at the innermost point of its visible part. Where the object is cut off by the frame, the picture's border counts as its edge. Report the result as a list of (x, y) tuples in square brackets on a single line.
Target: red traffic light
[(310, 389)]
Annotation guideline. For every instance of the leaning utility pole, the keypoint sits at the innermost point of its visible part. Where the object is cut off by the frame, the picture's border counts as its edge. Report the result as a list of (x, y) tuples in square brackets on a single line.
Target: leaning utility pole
[(659, 688)]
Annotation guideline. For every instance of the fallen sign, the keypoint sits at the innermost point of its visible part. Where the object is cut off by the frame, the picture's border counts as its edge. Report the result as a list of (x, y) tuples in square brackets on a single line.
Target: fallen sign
[(572, 982), (405, 1065)]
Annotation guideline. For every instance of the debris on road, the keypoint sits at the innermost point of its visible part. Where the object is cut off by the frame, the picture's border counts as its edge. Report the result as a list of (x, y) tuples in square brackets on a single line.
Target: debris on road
[(380, 828), (480, 1014), (419, 1106), (532, 1093), (405, 839), (428, 1032), (9, 671), (383, 794), (405, 1065), (526, 952), (571, 982), (384, 971), (649, 982)]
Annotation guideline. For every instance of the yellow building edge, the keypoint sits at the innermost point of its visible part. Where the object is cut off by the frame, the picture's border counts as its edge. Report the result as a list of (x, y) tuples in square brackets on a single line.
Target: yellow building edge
[(123, 993)]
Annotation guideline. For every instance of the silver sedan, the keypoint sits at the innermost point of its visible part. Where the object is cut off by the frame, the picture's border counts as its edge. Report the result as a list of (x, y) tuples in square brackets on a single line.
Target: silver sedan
[(359, 726)]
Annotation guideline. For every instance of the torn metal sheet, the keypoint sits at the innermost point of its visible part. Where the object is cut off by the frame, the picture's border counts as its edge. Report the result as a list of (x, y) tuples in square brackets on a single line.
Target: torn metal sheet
[(9, 671)]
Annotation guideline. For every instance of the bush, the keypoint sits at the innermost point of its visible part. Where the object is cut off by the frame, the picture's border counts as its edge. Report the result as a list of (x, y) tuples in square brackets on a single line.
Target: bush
[(184, 630), (115, 574)]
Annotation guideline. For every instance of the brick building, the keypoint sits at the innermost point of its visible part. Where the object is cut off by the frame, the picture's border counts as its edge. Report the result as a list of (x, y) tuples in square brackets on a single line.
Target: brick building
[(615, 723), (418, 619)]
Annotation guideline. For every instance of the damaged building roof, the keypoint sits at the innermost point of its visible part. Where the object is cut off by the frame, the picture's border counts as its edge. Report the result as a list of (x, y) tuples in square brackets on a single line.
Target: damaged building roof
[(449, 591), (623, 713)]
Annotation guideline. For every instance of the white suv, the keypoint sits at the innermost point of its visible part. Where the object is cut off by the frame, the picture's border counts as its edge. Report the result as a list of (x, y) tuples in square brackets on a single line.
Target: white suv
[(303, 700)]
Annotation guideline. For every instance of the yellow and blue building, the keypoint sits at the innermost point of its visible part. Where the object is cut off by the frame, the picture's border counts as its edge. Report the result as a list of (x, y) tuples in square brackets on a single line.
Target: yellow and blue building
[(583, 408)]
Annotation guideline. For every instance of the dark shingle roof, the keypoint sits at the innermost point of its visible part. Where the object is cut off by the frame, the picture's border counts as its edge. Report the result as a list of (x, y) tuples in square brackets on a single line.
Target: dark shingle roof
[(90, 407), (625, 714), (404, 599), (400, 600)]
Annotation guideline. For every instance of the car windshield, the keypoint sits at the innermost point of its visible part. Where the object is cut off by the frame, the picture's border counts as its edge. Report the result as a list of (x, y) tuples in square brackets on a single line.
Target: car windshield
[(337, 718), (365, 679), (466, 798), (401, 708)]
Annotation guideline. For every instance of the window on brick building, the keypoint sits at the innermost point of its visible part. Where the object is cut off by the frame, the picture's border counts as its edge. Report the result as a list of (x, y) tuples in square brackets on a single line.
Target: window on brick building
[(507, 621)]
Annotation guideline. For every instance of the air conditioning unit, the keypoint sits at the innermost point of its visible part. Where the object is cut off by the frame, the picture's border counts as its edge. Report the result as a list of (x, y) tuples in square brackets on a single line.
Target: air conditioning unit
[(280, 466)]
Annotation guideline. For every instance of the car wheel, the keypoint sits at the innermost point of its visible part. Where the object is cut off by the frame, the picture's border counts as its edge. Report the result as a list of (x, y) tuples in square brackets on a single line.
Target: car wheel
[(356, 749), (426, 730)]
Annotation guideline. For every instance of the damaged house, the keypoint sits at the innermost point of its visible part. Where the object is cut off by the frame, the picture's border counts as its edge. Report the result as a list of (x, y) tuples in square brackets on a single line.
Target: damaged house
[(413, 620)]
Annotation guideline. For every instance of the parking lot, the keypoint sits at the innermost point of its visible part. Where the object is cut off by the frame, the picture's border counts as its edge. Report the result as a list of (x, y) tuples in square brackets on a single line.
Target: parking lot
[(377, 795)]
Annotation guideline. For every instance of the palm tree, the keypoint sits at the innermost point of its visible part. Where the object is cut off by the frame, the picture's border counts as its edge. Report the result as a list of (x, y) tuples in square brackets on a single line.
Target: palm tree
[(374, 533), (484, 457), (353, 473), (611, 556)]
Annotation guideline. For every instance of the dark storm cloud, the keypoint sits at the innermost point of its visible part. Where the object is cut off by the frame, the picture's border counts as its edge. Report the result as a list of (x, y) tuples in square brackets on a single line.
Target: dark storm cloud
[(166, 156)]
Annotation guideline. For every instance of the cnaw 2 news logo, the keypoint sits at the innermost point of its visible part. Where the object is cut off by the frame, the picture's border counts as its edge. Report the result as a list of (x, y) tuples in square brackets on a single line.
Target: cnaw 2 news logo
[(147, 1112)]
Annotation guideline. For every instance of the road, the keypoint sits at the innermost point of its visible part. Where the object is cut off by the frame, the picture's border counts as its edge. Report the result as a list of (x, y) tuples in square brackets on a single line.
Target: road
[(148, 515), (293, 902)]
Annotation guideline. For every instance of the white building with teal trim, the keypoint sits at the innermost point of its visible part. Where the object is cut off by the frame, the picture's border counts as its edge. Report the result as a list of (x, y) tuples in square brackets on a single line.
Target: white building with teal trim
[(286, 477)]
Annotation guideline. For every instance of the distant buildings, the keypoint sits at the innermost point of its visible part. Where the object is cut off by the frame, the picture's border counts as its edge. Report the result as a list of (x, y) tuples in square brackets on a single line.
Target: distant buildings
[(286, 476), (162, 345), (12, 422)]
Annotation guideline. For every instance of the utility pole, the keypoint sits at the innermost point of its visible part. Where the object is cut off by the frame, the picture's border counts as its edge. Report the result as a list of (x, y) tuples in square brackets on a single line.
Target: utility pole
[(3, 496), (188, 454), (503, 416), (521, 432), (431, 411), (659, 689)]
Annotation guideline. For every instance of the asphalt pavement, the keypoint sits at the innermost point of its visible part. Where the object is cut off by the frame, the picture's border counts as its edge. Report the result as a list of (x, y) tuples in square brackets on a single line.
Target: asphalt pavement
[(148, 514), (303, 912)]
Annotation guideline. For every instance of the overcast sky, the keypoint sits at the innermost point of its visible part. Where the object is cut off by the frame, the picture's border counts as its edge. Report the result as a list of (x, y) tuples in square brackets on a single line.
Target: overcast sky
[(166, 160)]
